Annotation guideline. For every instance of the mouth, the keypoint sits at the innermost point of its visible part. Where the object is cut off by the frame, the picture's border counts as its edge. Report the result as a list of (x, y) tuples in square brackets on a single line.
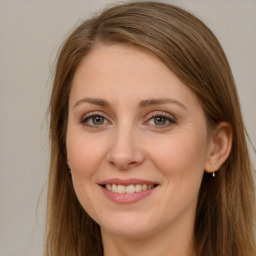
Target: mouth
[(128, 189)]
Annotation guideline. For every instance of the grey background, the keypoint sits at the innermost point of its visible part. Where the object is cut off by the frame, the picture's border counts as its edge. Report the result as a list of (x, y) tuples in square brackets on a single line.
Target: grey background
[(31, 33)]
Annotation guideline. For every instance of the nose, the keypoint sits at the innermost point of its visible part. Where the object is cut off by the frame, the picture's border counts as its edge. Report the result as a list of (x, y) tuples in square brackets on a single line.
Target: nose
[(125, 152)]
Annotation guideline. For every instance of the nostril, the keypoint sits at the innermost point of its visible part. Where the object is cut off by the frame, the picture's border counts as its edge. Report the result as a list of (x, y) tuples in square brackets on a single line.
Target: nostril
[(132, 163), (123, 163)]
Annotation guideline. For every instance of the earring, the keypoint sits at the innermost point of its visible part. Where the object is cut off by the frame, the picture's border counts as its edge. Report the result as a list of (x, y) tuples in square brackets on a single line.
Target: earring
[(216, 164)]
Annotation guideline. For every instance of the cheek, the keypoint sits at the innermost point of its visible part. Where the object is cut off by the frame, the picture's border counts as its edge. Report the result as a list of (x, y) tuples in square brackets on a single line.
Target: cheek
[(180, 154), (181, 161), (84, 158), (84, 154)]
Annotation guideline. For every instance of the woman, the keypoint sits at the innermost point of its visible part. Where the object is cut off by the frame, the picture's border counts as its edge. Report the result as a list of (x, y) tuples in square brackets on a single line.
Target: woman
[(148, 146)]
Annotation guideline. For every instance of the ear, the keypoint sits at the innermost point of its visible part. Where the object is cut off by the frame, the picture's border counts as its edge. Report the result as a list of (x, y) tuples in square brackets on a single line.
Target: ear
[(219, 147)]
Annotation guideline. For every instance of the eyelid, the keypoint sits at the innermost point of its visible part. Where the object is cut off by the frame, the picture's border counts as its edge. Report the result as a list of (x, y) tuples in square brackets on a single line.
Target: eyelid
[(92, 114), (157, 113), (171, 118)]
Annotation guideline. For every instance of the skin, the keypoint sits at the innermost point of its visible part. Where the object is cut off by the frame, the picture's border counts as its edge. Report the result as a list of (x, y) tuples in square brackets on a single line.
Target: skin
[(127, 142)]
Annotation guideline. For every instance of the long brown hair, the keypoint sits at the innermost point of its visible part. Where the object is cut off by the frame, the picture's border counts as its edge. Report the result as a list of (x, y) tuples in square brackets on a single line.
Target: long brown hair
[(225, 214)]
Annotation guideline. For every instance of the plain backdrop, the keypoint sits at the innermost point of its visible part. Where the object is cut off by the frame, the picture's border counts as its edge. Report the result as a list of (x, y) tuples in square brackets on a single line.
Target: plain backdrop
[(31, 33)]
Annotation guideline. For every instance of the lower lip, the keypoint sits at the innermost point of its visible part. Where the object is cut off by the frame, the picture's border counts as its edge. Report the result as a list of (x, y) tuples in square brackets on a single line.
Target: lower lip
[(127, 198)]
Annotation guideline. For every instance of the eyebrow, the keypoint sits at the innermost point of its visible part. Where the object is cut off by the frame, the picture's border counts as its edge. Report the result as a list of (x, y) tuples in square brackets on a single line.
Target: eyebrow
[(94, 101), (150, 102), (142, 104)]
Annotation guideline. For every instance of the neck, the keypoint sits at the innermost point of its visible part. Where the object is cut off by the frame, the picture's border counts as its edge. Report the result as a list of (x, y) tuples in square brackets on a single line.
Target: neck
[(171, 241)]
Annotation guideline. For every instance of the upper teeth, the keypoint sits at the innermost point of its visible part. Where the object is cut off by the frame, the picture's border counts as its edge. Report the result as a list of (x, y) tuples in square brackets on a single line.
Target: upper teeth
[(121, 189)]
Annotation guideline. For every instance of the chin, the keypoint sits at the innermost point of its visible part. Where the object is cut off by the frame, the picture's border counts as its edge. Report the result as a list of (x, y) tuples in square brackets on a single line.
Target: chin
[(130, 226), (128, 232)]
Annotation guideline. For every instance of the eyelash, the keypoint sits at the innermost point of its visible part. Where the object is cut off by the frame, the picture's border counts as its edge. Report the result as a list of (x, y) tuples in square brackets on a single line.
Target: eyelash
[(166, 117), (91, 115)]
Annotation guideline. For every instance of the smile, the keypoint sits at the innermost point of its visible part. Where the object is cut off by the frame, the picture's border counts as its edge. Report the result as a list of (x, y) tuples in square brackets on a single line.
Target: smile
[(127, 191), (130, 189)]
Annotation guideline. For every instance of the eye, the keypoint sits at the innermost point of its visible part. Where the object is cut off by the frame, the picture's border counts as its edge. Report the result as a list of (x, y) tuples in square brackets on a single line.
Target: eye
[(94, 120), (161, 120)]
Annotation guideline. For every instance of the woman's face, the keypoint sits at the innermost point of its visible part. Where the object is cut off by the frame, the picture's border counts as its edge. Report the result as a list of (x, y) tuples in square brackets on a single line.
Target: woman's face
[(136, 142)]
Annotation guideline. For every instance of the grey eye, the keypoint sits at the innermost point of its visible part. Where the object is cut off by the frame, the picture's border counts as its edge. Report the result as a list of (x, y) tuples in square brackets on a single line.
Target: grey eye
[(94, 120), (159, 120), (98, 120)]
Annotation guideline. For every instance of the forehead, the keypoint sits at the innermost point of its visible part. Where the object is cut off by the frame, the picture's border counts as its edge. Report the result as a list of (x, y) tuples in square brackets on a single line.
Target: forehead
[(129, 73)]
